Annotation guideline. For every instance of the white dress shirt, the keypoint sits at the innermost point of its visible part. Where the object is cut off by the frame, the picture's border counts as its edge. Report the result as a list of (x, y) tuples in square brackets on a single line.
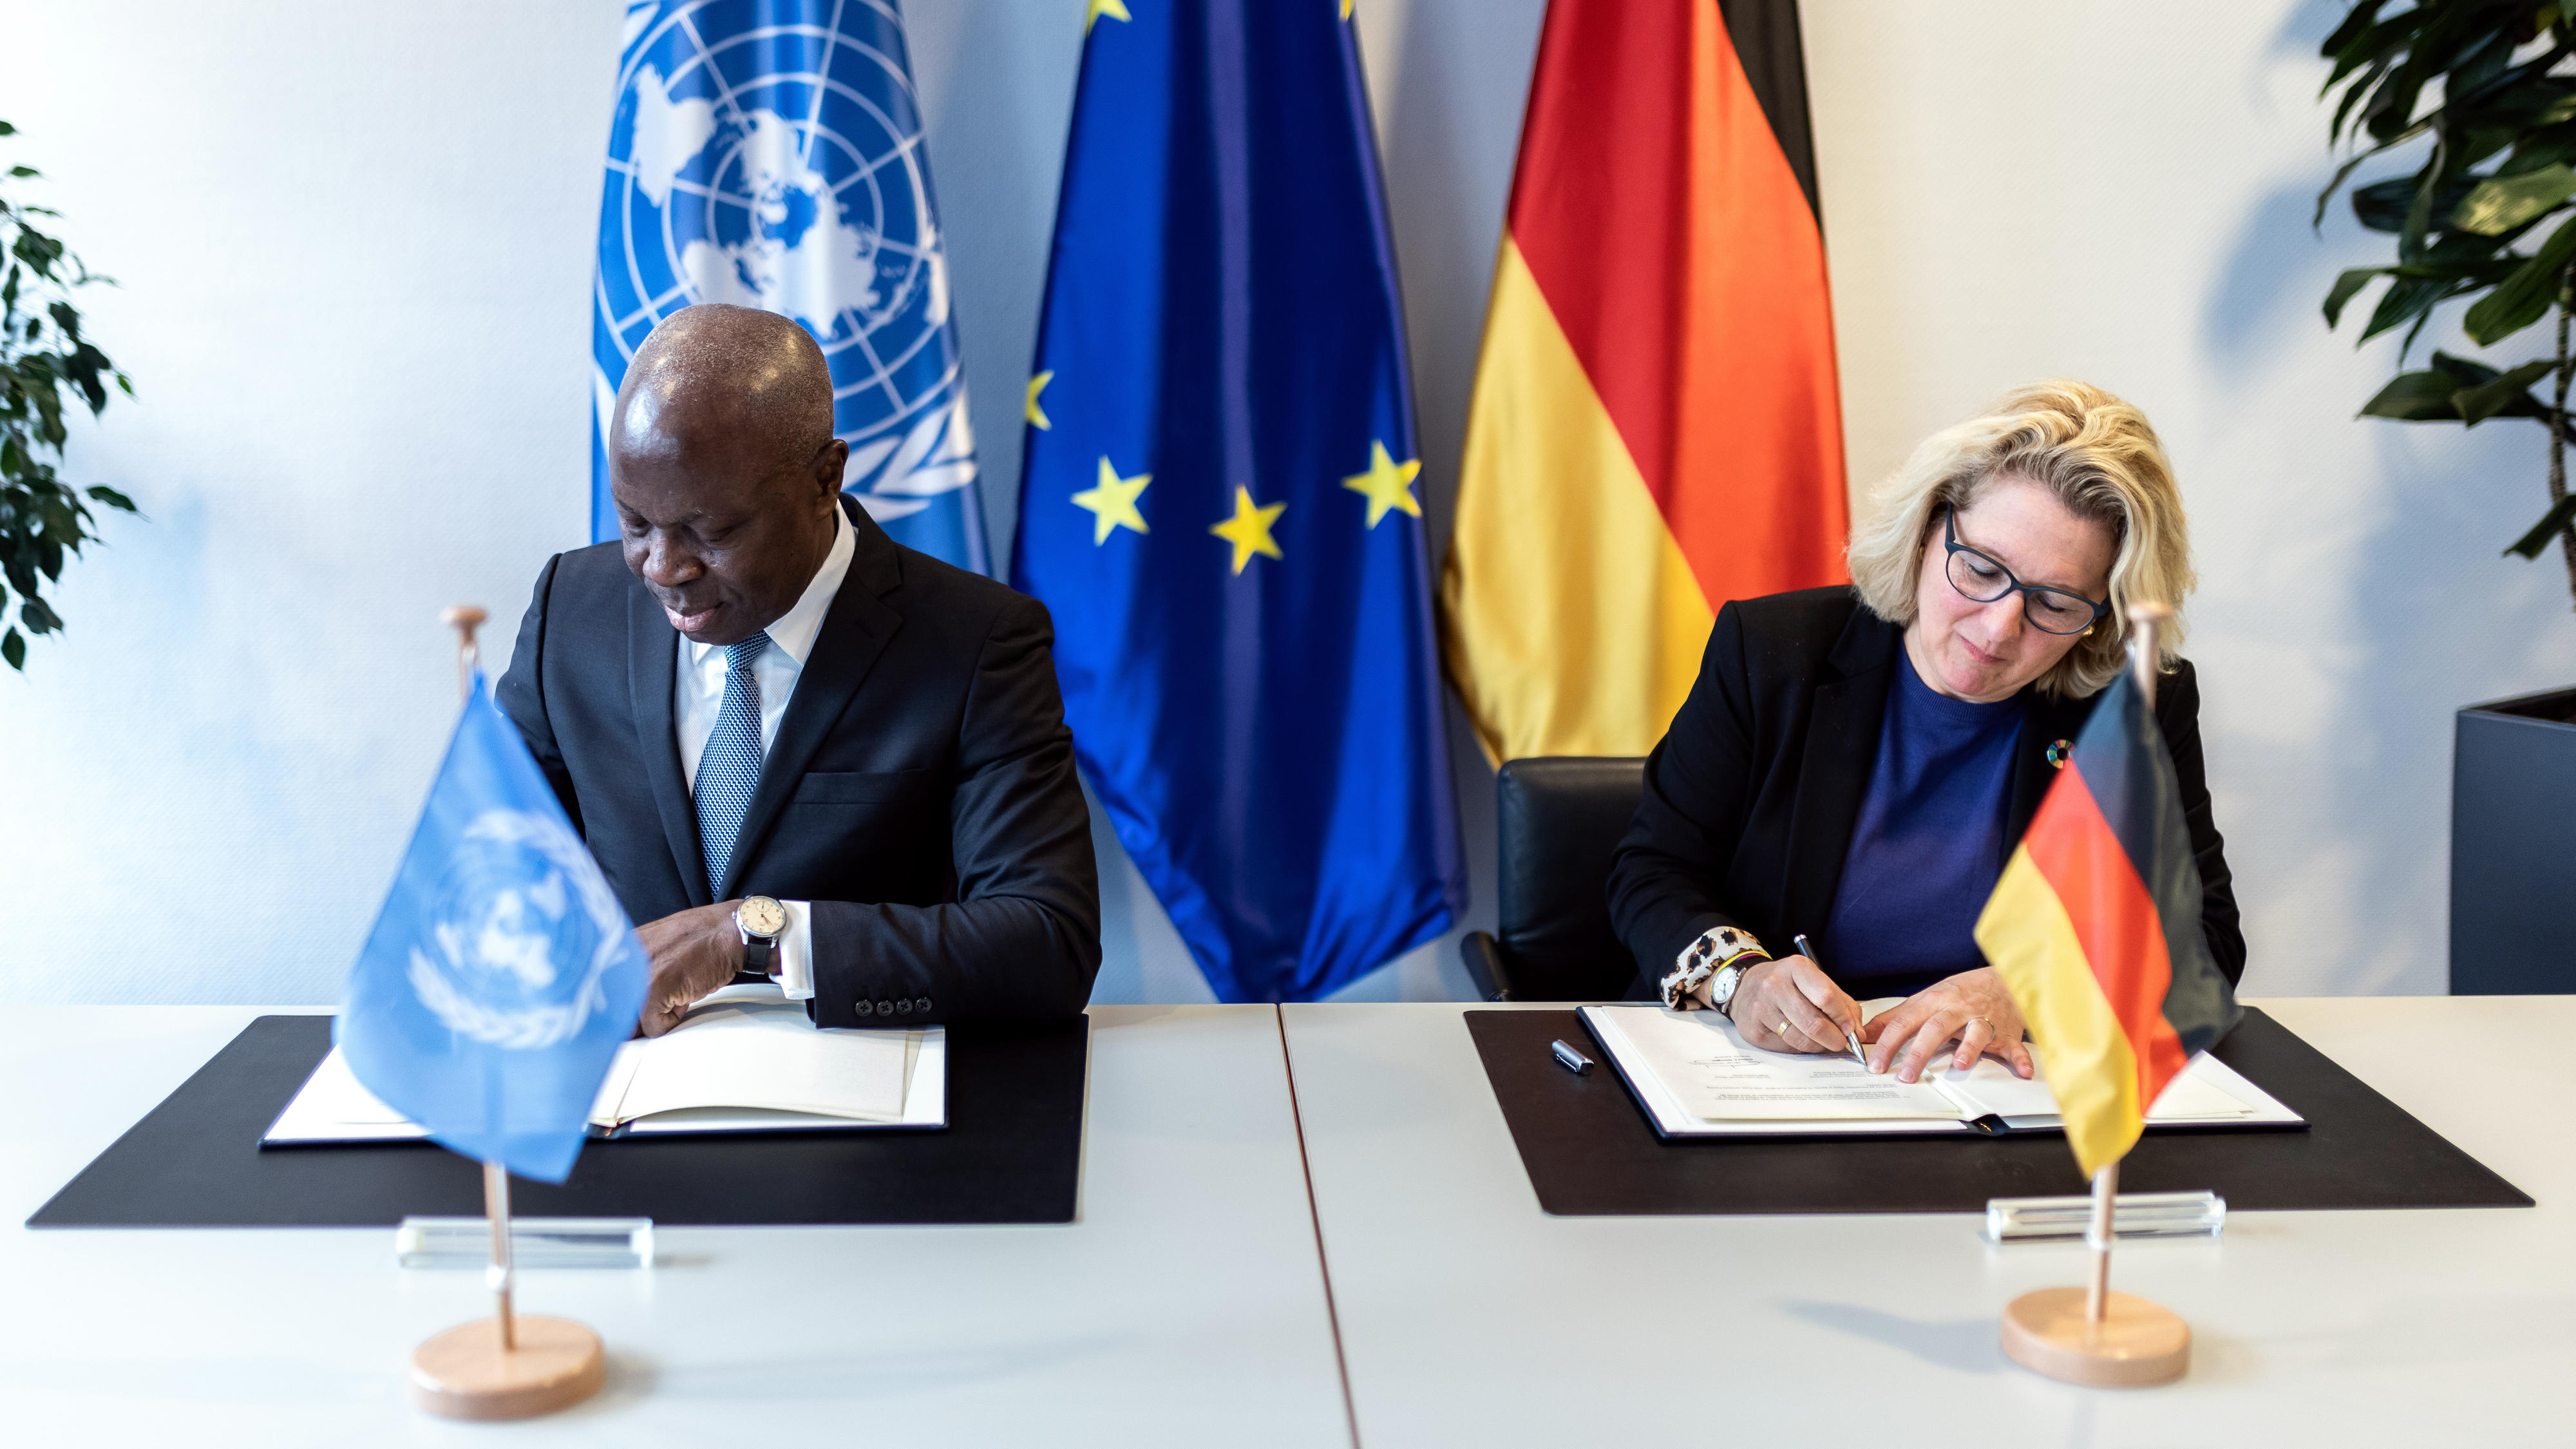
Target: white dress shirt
[(697, 697)]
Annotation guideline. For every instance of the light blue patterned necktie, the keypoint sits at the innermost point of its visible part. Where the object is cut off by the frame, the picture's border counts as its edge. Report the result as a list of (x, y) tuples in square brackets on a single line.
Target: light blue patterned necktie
[(729, 767)]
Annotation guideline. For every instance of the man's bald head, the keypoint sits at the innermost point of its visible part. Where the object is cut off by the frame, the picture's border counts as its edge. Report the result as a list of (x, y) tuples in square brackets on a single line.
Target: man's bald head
[(734, 374), (723, 466)]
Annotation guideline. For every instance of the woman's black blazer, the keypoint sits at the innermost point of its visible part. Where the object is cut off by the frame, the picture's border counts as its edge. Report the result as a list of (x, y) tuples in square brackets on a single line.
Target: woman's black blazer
[(1752, 795)]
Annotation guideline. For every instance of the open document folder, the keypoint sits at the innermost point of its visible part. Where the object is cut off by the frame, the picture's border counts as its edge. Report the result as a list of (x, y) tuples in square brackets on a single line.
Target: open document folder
[(745, 1060), (1696, 1078)]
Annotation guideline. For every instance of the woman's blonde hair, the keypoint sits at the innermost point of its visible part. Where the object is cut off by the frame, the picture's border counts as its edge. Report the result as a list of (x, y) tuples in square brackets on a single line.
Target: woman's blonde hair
[(2090, 450)]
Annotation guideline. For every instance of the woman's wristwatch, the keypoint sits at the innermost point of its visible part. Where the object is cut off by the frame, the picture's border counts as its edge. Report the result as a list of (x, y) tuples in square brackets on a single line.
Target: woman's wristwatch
[(1720, 957)]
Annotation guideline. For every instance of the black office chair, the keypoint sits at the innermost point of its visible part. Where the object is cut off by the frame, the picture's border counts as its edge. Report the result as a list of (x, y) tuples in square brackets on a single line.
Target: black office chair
[(1557, 819)]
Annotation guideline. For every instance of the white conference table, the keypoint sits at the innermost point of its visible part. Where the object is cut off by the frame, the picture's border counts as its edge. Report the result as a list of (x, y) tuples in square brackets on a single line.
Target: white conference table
[(1184, 1306), (1469, 1317)]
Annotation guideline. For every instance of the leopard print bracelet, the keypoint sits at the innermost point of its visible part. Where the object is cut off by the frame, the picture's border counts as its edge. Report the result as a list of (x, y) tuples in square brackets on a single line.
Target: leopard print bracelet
[(1717, 948)]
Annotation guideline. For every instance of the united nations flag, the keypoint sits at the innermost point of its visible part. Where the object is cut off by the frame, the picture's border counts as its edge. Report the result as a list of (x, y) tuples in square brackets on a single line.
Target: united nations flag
[(501, 974), (1220, 502), (768, 153)]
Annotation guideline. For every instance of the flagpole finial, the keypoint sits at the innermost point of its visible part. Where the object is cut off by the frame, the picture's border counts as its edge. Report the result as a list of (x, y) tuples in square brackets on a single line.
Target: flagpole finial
[(2147, 619), (464, 619)]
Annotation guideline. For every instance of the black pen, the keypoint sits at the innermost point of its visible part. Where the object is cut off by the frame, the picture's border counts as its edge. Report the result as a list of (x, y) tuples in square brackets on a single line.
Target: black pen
[(1851, 1038)]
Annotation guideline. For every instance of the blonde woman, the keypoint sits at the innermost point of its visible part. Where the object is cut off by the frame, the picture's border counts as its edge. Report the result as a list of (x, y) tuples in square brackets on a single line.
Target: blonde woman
[(1854, 765)]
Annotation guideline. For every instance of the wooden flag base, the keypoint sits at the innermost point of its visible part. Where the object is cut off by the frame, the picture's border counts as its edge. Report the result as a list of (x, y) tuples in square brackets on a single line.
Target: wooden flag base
[(464, 1373), (2136, 1344)]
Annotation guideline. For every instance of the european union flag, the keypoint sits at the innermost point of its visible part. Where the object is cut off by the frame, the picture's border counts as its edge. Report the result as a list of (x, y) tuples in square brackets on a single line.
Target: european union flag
[(768, 153), (1218, 501), (502, 974)]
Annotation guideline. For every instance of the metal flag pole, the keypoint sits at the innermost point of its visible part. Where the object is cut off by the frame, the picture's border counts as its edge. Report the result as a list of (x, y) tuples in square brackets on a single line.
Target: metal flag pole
[(465, 619), (2147, 621), (2091, 1335), (496, 1206), (537, 1364), (2097, 1294)]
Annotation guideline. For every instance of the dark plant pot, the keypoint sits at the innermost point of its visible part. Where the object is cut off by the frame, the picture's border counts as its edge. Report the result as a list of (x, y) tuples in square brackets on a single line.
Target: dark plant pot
[(2513, 847)]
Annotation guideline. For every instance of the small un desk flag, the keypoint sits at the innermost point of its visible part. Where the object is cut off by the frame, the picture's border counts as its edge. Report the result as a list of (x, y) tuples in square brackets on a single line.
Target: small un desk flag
[(768, 153), (1219, 499), (501, 974)]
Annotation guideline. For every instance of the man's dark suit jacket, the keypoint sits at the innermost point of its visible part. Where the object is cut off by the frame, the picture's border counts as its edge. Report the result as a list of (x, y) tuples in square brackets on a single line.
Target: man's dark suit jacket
[(920, 790), (1753, 793)]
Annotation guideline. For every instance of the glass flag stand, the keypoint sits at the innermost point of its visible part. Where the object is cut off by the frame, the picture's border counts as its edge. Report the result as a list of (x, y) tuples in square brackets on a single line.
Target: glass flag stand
[(534, 1243)]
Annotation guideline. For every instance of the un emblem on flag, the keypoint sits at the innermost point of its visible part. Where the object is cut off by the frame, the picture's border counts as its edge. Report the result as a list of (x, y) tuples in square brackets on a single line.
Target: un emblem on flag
[(761, 159), (522, 929)]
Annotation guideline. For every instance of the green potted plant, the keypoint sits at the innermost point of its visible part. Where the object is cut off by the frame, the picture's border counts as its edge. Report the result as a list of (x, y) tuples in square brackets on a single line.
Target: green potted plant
[(2487, 218), (43, 357)]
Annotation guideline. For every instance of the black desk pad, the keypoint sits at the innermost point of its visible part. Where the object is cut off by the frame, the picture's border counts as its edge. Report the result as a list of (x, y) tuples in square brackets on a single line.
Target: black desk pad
[(1012, 1153), (1590, 1151)]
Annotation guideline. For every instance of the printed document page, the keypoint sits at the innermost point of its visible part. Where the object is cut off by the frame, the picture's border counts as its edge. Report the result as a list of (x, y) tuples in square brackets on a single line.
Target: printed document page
[(746, 1060), (754, 1053), (2199, 1093), (2205, 1091), (336, 1107), (1712, 1074), (1694, 1074)]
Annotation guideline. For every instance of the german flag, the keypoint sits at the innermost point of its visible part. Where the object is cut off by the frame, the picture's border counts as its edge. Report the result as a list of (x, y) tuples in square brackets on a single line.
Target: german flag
[(2095, 928), (1656, 428)]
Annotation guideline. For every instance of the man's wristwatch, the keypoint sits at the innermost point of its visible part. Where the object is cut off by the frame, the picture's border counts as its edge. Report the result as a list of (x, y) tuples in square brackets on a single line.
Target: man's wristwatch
[(762, 921)]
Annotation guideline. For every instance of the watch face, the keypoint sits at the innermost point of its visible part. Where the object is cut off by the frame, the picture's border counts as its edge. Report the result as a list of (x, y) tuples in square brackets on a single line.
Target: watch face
[(761, 916)]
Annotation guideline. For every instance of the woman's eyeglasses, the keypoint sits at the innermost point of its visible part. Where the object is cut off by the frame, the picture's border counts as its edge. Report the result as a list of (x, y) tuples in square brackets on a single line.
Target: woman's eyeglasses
[(1981, 580)]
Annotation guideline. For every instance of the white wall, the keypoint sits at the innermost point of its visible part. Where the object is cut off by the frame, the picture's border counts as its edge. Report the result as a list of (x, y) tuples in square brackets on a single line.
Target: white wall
[(355, 308), (355, 247), (2122, 192)]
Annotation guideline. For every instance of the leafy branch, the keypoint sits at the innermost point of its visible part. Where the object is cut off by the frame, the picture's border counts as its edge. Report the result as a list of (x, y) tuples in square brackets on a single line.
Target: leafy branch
[(2495, 178), (43, 356)]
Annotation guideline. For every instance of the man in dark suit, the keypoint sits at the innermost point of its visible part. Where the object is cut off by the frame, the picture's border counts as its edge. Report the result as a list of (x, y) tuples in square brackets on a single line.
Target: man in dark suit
[(791, 742)]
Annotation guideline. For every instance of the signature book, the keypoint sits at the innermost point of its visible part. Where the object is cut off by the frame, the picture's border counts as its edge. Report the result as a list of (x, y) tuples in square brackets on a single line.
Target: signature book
[(1695, 1077), (745, 1060)]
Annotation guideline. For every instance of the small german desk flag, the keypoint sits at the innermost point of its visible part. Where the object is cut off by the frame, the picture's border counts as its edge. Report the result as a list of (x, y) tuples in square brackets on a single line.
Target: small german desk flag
[(1656, 427), (2095, 927)]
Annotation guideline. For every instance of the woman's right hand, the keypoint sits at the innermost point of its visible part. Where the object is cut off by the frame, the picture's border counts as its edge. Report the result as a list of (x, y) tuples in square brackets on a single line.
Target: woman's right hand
[(1791, 1005)]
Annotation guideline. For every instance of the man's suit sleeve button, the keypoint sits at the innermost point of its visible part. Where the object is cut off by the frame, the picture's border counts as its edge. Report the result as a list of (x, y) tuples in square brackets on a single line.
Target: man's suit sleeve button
[(903, 1006), (866, 1008), (886, 1007), (922, 1004)]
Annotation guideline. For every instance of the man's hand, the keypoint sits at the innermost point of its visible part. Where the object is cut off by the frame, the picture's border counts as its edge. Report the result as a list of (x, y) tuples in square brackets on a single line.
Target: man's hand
[(1972, 1007), (693, 952)]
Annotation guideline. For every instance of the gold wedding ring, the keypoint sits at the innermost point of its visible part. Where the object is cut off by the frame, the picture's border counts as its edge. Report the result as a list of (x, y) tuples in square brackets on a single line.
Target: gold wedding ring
[(1781, 1026)]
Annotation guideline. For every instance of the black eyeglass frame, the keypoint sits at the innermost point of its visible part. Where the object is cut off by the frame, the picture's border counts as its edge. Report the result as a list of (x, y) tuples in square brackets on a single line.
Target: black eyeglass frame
[(2012, 585)]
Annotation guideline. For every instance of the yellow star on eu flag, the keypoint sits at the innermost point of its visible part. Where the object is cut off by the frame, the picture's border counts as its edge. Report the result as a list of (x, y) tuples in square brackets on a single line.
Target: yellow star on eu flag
[(1249, 529), (1113, 503), (1114, 9), (1036, 415), (1387, 484)]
